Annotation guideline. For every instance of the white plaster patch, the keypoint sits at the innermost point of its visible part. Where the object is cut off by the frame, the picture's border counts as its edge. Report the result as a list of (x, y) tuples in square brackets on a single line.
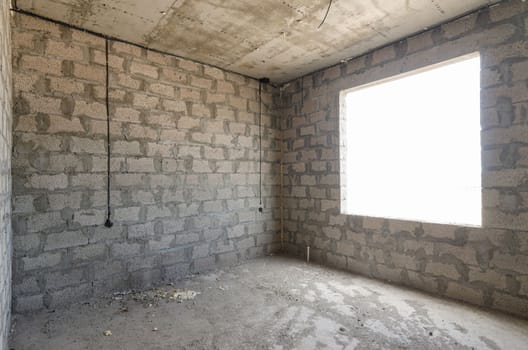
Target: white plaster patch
[(509, 335), (401, 306), (329, 295)]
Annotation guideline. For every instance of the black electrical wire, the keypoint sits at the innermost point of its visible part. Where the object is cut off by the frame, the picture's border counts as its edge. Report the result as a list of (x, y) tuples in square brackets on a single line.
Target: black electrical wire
[(326, 14), (302, 92), (108, 222), (260, 145), (261, 81)]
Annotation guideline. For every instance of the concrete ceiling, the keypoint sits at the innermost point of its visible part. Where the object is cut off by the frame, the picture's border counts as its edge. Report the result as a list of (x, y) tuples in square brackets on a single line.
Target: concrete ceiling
[(279, 39)]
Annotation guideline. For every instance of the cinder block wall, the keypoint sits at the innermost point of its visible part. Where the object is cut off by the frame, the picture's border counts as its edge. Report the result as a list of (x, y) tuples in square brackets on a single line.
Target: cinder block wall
[(5, 173), (483, 266), (185, 170)]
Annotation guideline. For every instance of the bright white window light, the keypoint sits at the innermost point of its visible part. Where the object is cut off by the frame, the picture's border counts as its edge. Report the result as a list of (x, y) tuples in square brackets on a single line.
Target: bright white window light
[(411, 145)]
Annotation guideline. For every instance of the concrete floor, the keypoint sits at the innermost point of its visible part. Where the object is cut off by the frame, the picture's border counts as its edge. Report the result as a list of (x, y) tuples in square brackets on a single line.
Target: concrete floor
[(272, 303)]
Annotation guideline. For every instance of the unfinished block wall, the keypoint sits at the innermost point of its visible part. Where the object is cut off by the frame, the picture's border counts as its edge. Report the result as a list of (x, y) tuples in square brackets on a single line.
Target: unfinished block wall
[(184, 166), (484, 266), (5, 174)]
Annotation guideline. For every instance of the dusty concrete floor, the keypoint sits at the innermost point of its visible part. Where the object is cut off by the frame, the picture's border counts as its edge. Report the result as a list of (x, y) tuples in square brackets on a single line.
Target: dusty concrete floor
[(272, 303)]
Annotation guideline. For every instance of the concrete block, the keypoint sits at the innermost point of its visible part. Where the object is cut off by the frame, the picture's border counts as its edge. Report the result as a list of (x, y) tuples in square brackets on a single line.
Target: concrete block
[(186, 238), (466, 254), (162, 89), (89, 72), (204, 264), (163, 243), (89, 181), (107, 269), (45, 65), (442, 270), (58, 280), (65, 51), (407, 262), (517, 263), (144, 70), (145, 101), (174, 106), (201, 82), (142, 132), (126, 147), (125, 249), (89, 217), (489, 277), (41, 261), (200, 251), (174, 75), (523, 281), (127, 214), (65, 240), (24, 304), (141, 230), (43, 221), (345, 248), (177, 271), (89, 253), (227, 259), (332, 232), (140, 165), (125, 80), (69, 295), (189, 65), (512, 304), (28, 286), (172, 136), (212, 207), (174, 256), (26, 243)]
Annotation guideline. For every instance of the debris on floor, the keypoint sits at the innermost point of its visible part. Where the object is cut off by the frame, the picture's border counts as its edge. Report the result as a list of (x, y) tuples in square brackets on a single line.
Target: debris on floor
[(153, 297), (279, 303), (181, 295)]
